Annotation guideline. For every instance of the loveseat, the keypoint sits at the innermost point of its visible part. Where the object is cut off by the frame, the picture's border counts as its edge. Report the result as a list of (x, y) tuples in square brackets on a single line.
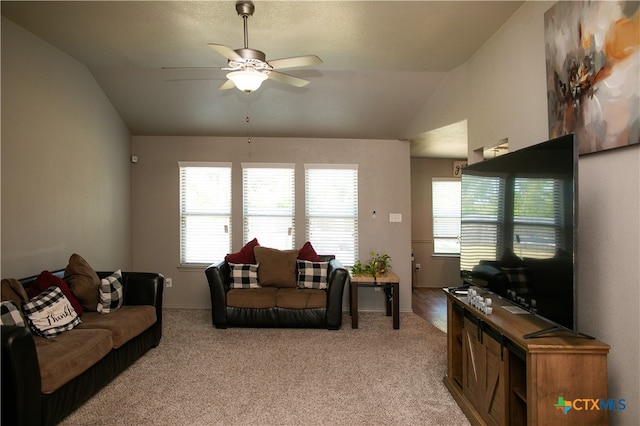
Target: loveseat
[(45, 379), (284, 291)]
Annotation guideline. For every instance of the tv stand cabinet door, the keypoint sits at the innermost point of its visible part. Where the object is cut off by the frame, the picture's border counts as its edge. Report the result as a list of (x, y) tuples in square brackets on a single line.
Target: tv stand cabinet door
[(572, 375), (472, 363)]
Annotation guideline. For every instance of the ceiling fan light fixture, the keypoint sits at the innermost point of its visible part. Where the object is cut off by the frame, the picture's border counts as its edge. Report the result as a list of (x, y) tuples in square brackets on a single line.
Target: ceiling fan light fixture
[(247, 80)]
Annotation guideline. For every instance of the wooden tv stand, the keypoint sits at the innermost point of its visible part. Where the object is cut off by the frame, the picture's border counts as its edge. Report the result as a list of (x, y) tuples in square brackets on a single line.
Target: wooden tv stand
[(499, 378)]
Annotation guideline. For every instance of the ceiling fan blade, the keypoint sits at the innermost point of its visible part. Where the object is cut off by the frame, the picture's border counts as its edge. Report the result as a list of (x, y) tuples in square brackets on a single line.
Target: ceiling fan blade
[(298, 61), (225, 51), (288, 79), (227, 85), (191, 68)]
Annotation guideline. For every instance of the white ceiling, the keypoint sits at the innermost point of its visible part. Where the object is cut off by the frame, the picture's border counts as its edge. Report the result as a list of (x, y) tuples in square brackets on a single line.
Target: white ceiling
[(382, 61)]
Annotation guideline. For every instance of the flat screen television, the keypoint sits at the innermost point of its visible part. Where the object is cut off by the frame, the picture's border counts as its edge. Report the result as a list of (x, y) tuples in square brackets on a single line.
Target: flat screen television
[(518, 229)]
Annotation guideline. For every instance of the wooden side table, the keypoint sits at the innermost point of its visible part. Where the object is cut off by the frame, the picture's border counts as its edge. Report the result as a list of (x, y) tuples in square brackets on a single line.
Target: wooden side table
[(391, 284)]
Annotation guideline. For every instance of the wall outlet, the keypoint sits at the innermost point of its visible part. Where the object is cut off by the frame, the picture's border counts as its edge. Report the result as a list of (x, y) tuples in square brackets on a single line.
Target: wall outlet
[(168, 282), (418, 267)]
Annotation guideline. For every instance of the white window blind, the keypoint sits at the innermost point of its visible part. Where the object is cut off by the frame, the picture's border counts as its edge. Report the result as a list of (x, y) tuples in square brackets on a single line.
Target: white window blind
[(445, 194), (331, 194), (538, 218), (485, 225), (205, 212), (268, 197)]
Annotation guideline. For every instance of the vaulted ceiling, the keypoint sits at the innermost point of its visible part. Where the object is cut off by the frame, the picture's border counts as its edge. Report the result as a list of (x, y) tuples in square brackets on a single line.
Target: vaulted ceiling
[(381, 62)]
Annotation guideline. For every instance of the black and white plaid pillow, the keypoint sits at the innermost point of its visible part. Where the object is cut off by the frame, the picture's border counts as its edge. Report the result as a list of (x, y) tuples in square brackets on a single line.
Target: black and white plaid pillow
[(50, 313), (111, 293), (10, 314), (518, 277), (312, 274), (244, 275)]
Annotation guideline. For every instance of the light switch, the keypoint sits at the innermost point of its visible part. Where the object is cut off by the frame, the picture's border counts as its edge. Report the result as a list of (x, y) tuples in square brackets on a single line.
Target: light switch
[(395, 217)]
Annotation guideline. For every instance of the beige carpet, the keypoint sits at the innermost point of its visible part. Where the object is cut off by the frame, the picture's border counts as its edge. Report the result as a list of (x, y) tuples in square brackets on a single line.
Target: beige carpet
[(203, 376)]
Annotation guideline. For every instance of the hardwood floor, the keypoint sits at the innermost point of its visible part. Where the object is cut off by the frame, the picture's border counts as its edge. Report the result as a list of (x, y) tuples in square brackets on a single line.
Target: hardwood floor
[(430, 304)]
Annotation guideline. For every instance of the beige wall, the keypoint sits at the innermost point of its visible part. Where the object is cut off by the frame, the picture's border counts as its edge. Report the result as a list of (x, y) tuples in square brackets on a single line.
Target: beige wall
[(65, 168), (507, 98), (383, 178), (435, 271)]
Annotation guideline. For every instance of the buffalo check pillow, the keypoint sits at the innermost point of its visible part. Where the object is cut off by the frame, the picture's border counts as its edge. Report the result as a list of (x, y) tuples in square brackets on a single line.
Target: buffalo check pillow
[(111, 293), (312, 274), (244, 275), (50, 313), (10, 314)]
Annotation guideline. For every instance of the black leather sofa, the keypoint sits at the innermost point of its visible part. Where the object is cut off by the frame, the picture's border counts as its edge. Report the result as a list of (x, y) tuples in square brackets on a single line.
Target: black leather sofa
[(23, 403), (329, 316)]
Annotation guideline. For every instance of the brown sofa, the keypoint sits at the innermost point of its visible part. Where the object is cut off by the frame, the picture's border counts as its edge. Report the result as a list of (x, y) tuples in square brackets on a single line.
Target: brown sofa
[(278, 300), (44, 379)]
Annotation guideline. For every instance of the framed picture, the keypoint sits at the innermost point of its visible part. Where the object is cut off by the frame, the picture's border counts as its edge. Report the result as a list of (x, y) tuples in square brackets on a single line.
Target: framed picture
[(593, 68)]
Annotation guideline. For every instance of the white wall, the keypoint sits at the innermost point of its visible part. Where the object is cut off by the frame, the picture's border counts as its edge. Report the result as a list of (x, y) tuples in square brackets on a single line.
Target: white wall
[(383, 177), (507, 98), (65, 163)]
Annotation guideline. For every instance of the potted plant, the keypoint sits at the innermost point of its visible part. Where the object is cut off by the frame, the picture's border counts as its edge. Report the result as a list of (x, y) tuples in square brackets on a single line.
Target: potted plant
[(377, 265)]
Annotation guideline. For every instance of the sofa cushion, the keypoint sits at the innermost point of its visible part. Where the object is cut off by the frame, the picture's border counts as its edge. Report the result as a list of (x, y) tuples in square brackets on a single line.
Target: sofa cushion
[(68, 355), (45, 280), (264, 297), (276, 268), (83, 282), (296, 298), (124, 324), (244, 275), (50, 313), (111, 296), (307, 252), (10, 314), (245, 254), (312, 274)]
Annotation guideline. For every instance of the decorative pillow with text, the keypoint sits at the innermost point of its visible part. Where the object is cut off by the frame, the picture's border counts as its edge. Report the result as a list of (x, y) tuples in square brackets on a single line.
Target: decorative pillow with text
[(50, 313)]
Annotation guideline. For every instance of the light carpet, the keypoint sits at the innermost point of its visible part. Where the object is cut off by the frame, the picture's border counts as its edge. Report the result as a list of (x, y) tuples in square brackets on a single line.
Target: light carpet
[(199, 375)]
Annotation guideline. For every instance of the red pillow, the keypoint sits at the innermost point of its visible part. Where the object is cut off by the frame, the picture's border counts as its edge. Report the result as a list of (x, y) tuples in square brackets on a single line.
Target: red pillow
[(45, 280), (245, 255), (307, 252)]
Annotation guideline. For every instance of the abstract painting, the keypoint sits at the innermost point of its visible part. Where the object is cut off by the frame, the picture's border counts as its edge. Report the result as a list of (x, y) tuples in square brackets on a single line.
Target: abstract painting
[(593, 72)]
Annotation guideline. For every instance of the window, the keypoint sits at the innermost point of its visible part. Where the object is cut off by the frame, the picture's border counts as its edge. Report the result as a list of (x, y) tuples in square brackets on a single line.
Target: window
[(485, 225), (331, 194), (538, 218), (268, 199), (205, 212), (445, 194)]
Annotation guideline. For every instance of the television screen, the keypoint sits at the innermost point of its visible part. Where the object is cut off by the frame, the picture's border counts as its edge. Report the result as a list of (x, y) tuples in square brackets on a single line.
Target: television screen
[(518, 223)]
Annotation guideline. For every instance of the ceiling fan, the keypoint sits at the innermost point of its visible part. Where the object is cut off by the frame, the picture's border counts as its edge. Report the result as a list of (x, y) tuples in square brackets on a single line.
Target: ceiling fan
[(248, 68)]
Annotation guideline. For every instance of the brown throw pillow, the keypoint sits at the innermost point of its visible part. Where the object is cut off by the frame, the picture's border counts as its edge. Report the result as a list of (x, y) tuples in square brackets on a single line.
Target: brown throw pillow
[(13, 291), (83, 282), (276, 268)]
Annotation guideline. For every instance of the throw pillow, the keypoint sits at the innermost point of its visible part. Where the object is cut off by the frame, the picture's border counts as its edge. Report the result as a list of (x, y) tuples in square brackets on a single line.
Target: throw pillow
[(276, 268), (519, 278), (111, 293), (50, 313), (12, 290), (244, 275), (307, 252), (312, 274), (83, 282), (10, 314), (45, 280), (245, 255)]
